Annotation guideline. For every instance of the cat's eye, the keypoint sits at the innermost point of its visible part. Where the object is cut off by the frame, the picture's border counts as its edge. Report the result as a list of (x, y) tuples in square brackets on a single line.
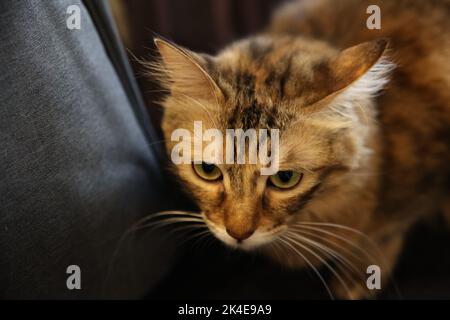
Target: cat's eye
[(207, 171), (285, 179)]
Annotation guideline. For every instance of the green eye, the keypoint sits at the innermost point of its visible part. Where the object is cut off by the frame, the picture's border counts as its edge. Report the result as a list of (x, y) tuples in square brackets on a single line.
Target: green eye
[(285, 179), (207, 171)]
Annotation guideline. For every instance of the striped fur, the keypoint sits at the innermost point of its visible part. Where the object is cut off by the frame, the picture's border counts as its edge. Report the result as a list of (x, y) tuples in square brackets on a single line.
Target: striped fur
[(375, 163)]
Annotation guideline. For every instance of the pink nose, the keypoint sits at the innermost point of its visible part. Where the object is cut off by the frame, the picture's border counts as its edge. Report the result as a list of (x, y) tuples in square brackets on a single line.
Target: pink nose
[(239, 236)]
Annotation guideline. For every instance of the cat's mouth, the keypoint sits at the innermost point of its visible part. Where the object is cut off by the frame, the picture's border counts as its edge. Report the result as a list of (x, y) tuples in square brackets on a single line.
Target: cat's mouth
[(257, 239)]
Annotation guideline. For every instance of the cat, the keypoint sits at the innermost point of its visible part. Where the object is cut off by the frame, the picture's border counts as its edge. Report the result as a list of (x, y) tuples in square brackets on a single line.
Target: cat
[(364, 122)]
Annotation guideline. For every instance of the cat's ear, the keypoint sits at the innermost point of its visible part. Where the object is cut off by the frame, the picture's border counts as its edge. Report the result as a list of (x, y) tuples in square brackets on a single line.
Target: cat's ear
[(186, 74), (359, 72), (357, 61)]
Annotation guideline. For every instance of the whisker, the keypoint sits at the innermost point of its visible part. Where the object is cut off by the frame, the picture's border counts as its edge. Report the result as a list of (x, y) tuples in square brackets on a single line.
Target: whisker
[(323, 261), (333, 257), (138, 225), (163, 214), (337, 236), (199, 236), (336, 256), (186, 236), (274, 245), (340, 247), (188, 227), (340, 226), (372, 242), (166, 222), (316, 271)]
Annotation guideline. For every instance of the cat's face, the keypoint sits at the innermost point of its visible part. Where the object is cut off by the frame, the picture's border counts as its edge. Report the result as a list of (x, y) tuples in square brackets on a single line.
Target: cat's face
[(320, 101)]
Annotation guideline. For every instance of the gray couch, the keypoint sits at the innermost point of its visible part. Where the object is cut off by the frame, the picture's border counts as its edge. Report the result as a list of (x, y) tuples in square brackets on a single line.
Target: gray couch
[(77, 163)]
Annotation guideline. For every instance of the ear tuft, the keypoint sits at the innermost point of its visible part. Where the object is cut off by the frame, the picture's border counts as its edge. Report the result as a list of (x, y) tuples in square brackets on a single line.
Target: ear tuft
[(372, 81), (364, 71), (182, 71), (363, 60)]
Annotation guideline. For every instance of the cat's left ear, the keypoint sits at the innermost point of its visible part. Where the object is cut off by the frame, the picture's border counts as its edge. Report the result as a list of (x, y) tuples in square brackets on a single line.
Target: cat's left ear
[(358, 73), (186, 73)]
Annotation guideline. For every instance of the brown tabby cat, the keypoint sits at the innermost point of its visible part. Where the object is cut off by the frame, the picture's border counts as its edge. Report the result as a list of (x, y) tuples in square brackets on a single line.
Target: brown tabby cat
[(357, 169)]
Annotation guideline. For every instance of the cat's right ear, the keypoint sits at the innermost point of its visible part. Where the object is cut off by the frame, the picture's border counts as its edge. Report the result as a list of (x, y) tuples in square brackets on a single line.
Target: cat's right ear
[(186, 74), (355, 74)]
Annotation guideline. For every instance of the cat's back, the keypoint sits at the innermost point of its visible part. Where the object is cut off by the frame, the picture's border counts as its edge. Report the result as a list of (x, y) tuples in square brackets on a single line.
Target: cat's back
[(418, 30), (414, 111)]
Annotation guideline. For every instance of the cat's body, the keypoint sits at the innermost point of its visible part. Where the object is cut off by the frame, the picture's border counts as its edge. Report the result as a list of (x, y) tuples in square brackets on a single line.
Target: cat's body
[(371, 164), (414, 111)]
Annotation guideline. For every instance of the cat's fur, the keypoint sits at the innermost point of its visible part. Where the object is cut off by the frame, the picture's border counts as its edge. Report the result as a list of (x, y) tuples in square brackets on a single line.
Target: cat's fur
[(373, 164)]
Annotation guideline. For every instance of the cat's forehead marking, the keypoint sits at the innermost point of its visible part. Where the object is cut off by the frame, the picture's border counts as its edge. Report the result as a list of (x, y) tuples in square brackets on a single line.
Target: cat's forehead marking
[(247, 110), (251, 105), (267, 70), (255, 84), (242, 185)]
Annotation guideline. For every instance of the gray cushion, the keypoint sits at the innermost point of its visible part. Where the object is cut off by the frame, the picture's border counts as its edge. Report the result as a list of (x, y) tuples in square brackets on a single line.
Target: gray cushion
[(76, 168)]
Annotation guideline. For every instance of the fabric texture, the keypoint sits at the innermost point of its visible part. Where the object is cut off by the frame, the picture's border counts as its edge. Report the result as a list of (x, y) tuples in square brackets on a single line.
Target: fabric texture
[(76, 167)]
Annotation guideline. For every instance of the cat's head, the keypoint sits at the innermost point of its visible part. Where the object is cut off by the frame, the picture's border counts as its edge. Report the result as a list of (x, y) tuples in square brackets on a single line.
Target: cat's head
[(321, 101)]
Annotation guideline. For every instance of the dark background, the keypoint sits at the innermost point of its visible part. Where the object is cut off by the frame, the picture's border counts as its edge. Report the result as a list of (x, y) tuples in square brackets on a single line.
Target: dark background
[(208, 269), (199, 25)]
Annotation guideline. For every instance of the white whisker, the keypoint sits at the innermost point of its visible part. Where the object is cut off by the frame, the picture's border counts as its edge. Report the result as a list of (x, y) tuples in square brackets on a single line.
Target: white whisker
[(307, 225), (197, 217), (335, 256), (284, 240), (373, 244), (323, 261), (168, 221), (347, 241)]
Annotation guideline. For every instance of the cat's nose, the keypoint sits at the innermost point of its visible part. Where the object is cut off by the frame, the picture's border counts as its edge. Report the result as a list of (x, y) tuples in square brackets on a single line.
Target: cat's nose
[(241, 235)]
